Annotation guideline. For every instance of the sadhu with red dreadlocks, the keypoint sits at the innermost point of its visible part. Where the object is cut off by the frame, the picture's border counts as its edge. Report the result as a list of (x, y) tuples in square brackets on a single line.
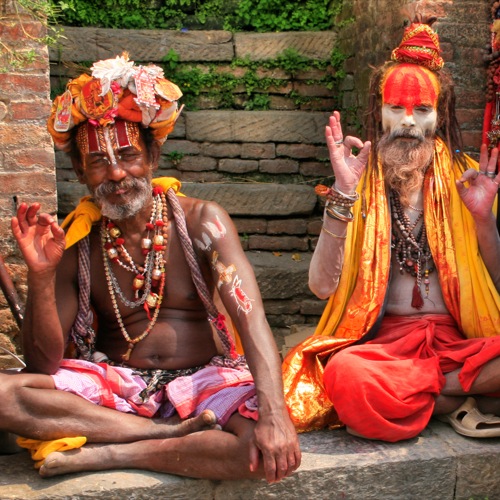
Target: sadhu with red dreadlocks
[(408, 258)]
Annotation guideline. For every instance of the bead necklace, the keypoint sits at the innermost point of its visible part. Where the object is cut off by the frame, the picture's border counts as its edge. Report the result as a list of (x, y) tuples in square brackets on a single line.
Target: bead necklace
[(149, 280), (411, 248)]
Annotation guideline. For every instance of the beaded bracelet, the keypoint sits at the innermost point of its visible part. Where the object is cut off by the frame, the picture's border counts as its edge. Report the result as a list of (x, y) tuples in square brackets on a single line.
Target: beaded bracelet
[(333, 234), (340, 201)]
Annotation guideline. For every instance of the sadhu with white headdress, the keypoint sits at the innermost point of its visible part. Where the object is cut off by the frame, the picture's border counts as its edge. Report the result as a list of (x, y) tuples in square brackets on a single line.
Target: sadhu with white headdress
[(130, 290), (408, 259)]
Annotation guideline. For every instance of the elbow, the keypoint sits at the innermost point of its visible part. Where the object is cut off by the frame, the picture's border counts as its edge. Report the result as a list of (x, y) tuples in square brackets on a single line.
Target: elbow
[(320, 290)]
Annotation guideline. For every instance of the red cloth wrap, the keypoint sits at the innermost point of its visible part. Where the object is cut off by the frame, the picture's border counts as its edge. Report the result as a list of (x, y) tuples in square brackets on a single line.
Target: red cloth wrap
[(386, 388)]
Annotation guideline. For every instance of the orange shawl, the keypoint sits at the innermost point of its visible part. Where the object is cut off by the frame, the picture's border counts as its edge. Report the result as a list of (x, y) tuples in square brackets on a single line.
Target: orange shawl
[(350, 313)]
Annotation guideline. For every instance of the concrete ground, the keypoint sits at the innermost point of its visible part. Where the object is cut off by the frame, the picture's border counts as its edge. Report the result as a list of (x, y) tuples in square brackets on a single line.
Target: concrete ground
[(437, 465)]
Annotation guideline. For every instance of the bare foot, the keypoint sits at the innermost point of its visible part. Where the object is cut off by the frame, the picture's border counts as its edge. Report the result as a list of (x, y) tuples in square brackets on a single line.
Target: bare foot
[(92, 457), (175, 427), (95, 457)]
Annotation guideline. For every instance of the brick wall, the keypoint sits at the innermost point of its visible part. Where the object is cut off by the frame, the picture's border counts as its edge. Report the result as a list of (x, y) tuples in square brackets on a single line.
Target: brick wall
[(27, 168)]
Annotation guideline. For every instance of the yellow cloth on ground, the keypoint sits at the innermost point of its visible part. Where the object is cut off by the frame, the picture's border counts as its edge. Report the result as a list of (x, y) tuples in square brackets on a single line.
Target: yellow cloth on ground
[(41, 449), (468, 290), (79, 221)]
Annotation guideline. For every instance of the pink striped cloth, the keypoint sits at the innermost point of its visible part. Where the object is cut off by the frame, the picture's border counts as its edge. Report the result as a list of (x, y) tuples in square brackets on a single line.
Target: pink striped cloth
[(221, 389)]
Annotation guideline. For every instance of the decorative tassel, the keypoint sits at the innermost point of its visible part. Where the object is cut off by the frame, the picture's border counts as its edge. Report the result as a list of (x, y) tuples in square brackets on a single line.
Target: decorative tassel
[(126, 356), (417, 300)]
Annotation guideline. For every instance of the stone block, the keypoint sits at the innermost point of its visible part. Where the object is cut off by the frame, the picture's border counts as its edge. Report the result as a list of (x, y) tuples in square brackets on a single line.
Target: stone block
[(196, 163), (91, 44), (437, 465), (221, 150), (316, 169), (258, 150), (180, 146), (256, 126), (27, 184), (248, 199), (280, 276), (312, 307), (287, 226), (238, 166), (245, 226), (281, 103), (69, 193), (277, 243), (298, 151), (279, 166), (262, 46)]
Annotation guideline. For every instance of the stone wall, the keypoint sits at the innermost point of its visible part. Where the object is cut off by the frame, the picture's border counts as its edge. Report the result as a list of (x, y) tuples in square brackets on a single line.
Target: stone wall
[(26, 154)]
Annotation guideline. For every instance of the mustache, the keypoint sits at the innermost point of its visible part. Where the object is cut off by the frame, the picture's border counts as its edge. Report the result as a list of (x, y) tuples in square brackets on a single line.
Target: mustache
[(110, 187), (407, 134)]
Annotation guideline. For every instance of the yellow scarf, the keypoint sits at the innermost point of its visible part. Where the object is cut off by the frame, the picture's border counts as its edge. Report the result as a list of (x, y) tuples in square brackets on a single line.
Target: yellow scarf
[(467, 288), (80, 220)]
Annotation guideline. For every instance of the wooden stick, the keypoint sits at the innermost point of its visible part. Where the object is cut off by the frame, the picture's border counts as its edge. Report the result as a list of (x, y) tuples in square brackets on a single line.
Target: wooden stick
[(10, 293)]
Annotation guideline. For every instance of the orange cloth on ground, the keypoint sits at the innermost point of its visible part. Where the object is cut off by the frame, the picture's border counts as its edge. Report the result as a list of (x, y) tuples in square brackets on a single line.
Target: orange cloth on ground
[(41, 449), (385, 388), (469, 293)]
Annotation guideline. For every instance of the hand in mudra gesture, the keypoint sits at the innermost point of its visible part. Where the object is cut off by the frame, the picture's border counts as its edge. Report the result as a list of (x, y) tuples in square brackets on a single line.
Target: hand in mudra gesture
[(483, 185), (40, 238), (347, 167)]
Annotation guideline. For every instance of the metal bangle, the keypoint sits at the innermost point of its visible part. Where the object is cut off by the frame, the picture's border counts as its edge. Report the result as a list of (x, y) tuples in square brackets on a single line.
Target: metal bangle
[(333, 234), (352, 197), (336, 213)]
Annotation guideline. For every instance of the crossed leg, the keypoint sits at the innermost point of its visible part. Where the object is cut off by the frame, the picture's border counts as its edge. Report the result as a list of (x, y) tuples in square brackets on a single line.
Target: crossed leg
[(487, 382), (32, 408), (209, 454), (193, 447)]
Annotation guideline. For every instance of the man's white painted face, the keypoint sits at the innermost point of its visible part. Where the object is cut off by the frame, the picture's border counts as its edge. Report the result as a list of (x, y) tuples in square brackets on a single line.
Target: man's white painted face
[(418, 120), (409, 101)]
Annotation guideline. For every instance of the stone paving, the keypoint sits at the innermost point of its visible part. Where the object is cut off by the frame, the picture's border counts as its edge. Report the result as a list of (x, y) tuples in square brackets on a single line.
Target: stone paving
[(437, 465)]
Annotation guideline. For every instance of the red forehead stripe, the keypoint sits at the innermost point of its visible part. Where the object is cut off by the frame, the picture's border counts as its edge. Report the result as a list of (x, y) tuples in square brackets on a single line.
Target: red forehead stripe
[(410, 85), (122, 137)]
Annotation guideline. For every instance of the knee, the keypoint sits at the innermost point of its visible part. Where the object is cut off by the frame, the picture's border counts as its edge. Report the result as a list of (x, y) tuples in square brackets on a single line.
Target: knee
[(339, 369), (8, 389)]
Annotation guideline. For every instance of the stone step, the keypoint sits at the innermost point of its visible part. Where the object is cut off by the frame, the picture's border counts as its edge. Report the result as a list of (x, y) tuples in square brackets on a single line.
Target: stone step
[(437, 465)]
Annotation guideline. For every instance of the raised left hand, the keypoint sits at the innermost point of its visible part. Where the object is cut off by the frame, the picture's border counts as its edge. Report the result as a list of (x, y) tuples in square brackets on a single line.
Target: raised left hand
[(483, 185)]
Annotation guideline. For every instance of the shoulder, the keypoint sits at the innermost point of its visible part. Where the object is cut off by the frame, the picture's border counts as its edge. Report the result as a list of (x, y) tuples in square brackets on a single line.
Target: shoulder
[(198, 211), (204, 216)]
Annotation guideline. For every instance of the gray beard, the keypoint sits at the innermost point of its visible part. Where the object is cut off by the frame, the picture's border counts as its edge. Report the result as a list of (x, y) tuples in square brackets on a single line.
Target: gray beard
[(142, 187)]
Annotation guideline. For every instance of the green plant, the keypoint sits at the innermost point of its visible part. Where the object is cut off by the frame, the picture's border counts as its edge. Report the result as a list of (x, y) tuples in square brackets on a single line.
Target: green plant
[(175, 157), (232, 15), (276, 15), (257, 102)]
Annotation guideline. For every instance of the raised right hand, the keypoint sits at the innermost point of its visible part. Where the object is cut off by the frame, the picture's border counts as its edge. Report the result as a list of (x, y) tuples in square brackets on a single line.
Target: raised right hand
[(40, 238), (347, 167)]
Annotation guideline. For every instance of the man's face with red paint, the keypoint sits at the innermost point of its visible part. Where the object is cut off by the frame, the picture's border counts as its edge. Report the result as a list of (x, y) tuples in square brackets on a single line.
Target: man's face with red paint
[(409, 97)]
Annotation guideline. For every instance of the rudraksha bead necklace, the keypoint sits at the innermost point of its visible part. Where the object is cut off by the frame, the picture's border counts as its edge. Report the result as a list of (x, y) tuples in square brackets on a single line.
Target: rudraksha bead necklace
[(149, 280), (409, 242)]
